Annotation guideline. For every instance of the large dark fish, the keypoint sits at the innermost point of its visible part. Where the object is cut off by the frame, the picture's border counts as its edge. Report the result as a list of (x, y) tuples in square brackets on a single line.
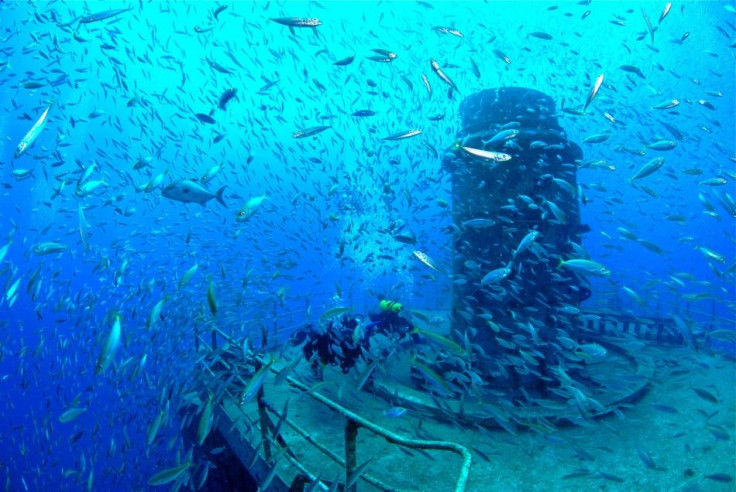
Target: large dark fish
[(219, 67), (345, 61), (205, 118), (225, 98), (363, 113), (632, 69), (218, 10), (188, 191)]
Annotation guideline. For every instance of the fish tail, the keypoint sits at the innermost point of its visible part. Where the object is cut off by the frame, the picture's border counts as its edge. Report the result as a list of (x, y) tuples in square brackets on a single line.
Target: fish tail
[(218, 195)]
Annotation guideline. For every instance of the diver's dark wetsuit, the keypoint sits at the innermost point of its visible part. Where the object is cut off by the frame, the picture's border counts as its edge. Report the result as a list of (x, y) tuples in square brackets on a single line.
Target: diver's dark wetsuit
[(335, 346), (390, 324)]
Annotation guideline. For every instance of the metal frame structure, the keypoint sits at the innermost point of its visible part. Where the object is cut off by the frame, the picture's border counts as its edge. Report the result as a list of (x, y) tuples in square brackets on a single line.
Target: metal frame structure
[(353, 422)]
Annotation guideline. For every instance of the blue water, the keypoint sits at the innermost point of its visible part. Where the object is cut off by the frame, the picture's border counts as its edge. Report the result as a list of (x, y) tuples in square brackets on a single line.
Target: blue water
[(128, 88)]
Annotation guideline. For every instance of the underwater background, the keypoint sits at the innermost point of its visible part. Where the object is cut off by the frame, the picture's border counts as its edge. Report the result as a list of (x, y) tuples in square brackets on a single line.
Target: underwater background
[(137, 99)]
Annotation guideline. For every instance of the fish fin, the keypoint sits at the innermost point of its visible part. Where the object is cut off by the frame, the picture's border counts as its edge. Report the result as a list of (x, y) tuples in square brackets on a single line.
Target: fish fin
[(291, 30), (218, 195)]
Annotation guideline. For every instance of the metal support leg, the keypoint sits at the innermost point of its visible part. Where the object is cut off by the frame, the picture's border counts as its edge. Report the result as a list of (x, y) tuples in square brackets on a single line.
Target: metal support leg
[(351, 458)]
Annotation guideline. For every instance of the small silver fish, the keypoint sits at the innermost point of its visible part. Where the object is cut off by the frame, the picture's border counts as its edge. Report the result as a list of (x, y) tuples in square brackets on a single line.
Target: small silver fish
[(427, 261), (436, 68), (308, 132), (33, 133), (593, 91), (489, 155), (478, 223), (395, 412), (495, 276), (403, 135)]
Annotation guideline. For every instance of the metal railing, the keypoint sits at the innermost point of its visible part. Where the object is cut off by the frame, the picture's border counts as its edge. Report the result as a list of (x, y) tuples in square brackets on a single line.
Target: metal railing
[(662, 330), (353, 422)]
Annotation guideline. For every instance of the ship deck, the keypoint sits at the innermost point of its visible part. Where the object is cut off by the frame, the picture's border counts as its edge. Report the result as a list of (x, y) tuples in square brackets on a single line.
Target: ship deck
[(658, 411)]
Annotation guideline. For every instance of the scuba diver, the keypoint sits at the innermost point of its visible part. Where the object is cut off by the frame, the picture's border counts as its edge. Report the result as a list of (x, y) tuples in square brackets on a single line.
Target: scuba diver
[(389, 322), (345, 341), (333, 346)]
